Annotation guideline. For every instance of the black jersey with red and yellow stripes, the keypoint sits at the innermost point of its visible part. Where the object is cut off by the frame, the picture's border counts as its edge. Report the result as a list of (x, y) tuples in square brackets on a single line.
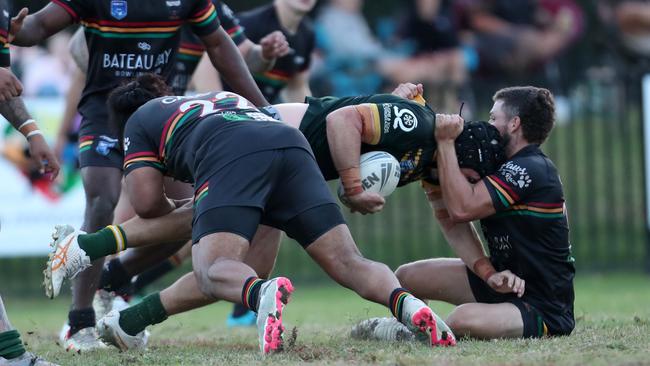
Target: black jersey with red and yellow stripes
[(5, 22), (258, 23), (188, 137), (191, 49), (529, 234), (128, 37), (403, 128)]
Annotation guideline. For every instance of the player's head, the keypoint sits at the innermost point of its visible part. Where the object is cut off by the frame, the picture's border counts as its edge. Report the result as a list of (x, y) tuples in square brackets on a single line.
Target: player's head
[(524, 112), (126, 99), (479, 149), (298, 6)]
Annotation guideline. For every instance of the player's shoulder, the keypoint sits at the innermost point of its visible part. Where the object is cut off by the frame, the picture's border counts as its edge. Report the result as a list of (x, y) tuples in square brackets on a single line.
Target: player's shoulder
[(529, 164)]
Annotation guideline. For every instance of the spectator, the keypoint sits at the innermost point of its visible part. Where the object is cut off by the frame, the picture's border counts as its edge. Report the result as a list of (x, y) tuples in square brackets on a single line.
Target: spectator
[(631, 19), (515, 36)]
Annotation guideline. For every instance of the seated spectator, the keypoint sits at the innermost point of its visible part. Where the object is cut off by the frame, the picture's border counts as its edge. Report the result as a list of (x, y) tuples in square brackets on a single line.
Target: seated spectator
[(437, 60), (515, 36), (631, 20)]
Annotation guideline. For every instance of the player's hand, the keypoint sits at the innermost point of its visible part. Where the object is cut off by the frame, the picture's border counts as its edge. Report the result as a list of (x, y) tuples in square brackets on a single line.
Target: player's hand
[(41, 152), (10, 86), (448, 126), (408, 90), (506, 282), (17, 23), (366, 202), (274, 45)]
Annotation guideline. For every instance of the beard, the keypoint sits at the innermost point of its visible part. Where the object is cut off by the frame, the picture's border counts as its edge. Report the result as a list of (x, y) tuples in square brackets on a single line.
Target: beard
[(505, 139)]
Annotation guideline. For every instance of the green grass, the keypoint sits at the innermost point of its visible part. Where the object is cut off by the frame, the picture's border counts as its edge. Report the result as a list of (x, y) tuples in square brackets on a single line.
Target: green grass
[(613, 327)]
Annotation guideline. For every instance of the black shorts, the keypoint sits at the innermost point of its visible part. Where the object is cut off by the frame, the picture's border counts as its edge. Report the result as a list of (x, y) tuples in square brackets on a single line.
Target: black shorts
[(280, 188), (97, 147), (533, 319)]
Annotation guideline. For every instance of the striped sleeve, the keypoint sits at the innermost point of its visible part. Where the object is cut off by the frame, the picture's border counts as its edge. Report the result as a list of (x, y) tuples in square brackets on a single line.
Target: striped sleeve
[(204, 19), (230, 22), (72, 7), (139, 150)]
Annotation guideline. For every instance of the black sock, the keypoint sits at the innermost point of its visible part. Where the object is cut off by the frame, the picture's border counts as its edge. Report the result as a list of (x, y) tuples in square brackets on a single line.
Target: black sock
[(239, 310), (80, 319), (250, 293), (152, 274), (396, 300), (114, 276)]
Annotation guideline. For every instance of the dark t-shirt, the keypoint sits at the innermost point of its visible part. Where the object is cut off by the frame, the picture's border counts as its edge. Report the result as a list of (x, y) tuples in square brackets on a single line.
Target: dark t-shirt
[(260, 22), (529, 234), (430, 35), (191, 49), (128, 37), (191, 138), (5, 19), (405, 130)]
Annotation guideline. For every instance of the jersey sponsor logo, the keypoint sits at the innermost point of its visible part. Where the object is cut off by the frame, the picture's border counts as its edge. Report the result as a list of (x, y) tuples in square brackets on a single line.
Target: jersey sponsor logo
[(388, 116), (515, 175), (299, 60), (404, 119), (131, 61), (259, 116), (127, 143), (119, 9), (173, 3), (144, 46), (105, 145)]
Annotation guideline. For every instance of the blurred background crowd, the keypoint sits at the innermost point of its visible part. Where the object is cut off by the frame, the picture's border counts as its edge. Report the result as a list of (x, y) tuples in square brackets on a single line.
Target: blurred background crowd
[(592, 54)]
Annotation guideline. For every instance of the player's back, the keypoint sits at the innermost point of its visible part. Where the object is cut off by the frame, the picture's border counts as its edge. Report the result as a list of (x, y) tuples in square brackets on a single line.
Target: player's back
[(203, 132)]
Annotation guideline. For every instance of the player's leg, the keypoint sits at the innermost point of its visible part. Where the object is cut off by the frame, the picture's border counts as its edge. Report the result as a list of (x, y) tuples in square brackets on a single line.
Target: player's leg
[(12, 350), (307, 212), (102, 187), (443, 279), (487, 321)]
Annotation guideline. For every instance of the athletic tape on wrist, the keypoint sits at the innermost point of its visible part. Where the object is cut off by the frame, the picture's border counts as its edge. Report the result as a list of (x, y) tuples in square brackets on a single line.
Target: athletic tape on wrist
[(483, 268), (33, 133), (351, 181)]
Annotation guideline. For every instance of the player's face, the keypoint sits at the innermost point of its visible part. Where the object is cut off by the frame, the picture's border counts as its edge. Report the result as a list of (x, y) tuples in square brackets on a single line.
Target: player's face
[(301, 6), (500, 119)]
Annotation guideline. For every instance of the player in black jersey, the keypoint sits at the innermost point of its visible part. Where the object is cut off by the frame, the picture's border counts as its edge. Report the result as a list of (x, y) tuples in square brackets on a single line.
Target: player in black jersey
[(12, 350), (523, 217), (125, 38), (289, 75), (275, 181)]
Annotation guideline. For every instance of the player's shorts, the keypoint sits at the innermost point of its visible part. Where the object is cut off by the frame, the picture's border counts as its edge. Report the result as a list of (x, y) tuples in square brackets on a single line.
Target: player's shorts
[(534, 324), (98, 148), (280, 188)]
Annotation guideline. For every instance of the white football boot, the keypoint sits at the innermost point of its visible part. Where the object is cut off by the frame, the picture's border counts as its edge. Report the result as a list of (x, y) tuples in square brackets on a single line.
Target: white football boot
[(420, 319), (274, 295), (26, 359), (83, 341), (65, 261), (382, 329), (111, 332)]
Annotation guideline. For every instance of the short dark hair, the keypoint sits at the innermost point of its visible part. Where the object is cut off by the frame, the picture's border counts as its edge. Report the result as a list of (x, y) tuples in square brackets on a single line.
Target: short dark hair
[(534, 106), (126, 99)]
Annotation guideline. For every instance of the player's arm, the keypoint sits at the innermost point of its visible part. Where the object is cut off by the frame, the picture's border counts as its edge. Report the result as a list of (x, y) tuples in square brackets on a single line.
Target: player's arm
[(465, 242), (347, 128), (15, 112), (35, 28), (261, 57), (297, 88), (228, 61), (145, 186), (465, 201)]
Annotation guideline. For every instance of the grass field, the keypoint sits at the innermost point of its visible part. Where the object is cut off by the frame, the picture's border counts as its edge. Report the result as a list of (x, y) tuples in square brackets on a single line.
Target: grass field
[(612, 311)]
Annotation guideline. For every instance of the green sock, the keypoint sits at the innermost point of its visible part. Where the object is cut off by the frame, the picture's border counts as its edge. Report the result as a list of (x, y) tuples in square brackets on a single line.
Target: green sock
[(149, 311), (10, 345), (109, 240)]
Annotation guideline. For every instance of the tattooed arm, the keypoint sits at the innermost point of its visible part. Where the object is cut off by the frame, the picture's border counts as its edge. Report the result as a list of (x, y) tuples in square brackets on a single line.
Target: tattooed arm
[(15, 112)]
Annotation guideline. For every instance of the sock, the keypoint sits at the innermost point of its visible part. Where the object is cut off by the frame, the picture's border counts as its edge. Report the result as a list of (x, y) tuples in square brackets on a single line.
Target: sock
[(239, 310), (152, 274), (396, 300), (11, 345), (114, 276), (149, 311), (80, 319), (109, 240), (251, 292)]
